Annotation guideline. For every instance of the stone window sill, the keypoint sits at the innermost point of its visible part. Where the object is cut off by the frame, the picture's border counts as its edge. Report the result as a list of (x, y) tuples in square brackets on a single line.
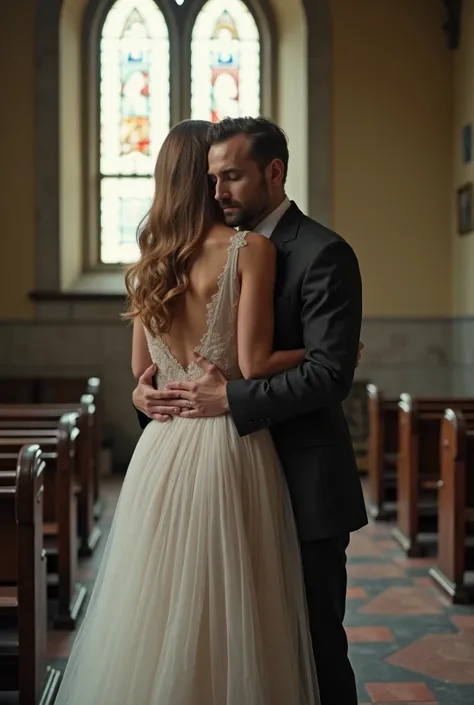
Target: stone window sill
[(91, 286)]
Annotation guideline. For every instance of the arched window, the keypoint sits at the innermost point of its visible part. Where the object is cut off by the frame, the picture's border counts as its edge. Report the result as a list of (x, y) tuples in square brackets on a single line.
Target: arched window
[(217, 73)]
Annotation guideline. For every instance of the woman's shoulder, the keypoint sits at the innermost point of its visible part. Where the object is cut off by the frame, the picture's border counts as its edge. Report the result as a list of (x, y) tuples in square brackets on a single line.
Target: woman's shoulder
[(258, 256), (259, 244)]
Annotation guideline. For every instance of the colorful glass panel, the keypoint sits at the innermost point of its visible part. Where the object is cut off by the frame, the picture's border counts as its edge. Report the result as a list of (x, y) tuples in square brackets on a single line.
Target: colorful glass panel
[(134, 116), (225, 62)]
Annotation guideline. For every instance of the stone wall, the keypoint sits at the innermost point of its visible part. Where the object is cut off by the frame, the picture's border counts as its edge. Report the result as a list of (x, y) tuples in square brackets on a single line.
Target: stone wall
[(424, 357)]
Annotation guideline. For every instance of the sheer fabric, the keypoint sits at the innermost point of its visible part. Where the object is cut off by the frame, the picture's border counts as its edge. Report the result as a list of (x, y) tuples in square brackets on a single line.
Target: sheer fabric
[(199, 599)]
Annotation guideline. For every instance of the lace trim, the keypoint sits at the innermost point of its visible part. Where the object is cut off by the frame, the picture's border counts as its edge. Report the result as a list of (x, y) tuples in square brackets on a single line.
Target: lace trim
[(237, 241)]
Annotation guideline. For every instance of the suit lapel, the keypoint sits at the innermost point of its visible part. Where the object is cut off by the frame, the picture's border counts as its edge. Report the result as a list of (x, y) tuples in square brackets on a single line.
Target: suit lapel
[(287, 229)]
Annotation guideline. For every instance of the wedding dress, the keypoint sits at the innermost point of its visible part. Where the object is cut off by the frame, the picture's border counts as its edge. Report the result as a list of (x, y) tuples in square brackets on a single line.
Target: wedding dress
[(199, 598)]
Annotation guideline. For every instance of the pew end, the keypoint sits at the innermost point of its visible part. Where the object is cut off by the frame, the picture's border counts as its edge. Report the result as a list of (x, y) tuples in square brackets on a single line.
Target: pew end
[(419, 470), (59, 512), (23, 621), (454, 572), (383, 453)]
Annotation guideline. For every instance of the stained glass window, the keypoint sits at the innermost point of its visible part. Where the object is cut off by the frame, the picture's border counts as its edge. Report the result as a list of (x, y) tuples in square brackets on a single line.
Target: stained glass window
[(134, 120), (225, 70)]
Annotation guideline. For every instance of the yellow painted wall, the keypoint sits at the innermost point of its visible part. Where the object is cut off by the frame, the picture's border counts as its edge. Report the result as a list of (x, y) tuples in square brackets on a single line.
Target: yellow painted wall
[(393, 151), (463, 247), (392, 142), (17, 207)]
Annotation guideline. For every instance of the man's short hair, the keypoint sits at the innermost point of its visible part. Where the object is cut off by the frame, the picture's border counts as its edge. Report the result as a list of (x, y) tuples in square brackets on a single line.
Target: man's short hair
[(268, 141)]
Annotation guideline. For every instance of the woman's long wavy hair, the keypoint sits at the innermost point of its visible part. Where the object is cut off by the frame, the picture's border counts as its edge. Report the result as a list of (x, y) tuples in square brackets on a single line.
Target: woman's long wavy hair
[(183, 211)]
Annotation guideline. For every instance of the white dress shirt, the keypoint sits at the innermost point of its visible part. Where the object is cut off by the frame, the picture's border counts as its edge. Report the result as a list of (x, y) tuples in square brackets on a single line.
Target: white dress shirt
[(268, 224)]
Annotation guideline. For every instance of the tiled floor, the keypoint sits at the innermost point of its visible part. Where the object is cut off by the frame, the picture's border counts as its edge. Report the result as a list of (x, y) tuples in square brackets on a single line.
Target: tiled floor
[(407, 644)]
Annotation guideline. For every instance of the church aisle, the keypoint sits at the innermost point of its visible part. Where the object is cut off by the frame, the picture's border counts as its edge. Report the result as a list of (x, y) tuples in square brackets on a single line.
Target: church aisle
[(408, 645)]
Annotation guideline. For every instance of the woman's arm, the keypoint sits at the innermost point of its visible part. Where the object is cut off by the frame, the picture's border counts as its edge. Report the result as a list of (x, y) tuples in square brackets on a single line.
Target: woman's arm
[(255, 324), (141, 359), (331, 315)]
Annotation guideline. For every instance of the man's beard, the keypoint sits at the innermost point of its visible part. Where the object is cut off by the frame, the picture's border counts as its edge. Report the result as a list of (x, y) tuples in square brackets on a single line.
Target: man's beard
[(243, 218), (238, 219)]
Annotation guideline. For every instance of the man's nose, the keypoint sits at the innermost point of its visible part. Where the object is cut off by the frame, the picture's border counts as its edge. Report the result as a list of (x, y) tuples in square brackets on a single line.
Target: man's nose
[(222, 193)]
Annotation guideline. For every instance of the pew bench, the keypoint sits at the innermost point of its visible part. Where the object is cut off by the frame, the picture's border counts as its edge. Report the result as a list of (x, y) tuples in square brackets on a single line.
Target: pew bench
[(61, 390), (60, 513), (23, 620), (383, 454), (43, 416), (454, 572), (418, 470)]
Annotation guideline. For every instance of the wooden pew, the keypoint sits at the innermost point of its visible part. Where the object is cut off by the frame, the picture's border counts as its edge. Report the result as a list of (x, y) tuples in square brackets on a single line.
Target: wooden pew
[(456, 508), (383, 453), (60, 514), (61, 390), (418, 469), (57, 390), (47, 416), (23, 621)]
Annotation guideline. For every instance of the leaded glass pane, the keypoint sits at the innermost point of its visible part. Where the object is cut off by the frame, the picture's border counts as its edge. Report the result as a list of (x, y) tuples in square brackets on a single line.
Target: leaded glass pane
[(124, 202), (134, 118), (225, 70), (135, 87)]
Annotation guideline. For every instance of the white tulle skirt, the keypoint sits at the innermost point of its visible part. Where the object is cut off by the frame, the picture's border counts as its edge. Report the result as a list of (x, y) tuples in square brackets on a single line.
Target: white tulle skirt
[(199, 599)]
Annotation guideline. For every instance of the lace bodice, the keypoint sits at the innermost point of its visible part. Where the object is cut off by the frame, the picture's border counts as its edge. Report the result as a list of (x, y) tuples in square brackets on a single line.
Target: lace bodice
[(219, 343)]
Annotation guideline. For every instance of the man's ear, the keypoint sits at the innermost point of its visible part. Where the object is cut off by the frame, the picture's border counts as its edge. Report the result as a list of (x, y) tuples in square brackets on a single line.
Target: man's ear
[(277, 171)]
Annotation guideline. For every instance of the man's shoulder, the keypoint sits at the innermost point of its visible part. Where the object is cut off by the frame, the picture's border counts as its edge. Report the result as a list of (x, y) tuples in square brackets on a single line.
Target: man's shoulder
[(312, 228), (315, 236)]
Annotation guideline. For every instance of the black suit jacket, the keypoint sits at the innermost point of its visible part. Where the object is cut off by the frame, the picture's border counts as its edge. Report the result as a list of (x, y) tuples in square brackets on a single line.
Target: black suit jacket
[(318, 306)]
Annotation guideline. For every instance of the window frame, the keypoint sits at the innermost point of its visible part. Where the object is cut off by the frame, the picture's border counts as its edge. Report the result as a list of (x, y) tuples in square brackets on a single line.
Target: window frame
[(180, 20)]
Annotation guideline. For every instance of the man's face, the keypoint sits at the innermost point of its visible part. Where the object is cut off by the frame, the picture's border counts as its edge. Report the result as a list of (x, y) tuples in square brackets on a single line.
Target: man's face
[(242, 190)]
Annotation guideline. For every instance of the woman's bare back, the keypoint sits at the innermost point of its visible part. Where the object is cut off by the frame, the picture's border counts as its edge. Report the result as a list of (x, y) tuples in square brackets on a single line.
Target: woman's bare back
[(190, 315)]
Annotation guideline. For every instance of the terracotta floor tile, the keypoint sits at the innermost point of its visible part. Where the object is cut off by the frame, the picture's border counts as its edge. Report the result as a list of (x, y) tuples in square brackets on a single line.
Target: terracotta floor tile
[(399, 692), (424, 582), (465, 623), (374, 570), (356, 593), (403, 600), (363, 546), (445, 657), (59, 644), (357, 635), (388, 544)]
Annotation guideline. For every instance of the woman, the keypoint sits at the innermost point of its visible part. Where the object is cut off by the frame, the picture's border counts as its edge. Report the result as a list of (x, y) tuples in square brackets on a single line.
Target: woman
[(199, 599)]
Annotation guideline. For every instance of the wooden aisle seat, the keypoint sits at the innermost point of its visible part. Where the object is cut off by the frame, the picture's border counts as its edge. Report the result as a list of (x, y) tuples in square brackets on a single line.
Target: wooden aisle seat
[(23, 620), (418, 469), (454, 571), (56, 390), (60, 514), (47, 416), (383, 453)]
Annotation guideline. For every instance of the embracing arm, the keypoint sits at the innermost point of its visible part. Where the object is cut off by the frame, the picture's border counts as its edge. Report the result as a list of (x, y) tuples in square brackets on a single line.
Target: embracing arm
[(331, 315), (141, 359), (255, 320)]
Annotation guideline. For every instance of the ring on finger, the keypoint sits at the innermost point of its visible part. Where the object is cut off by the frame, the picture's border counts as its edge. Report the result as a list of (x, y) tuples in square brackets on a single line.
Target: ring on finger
[(189, 403)]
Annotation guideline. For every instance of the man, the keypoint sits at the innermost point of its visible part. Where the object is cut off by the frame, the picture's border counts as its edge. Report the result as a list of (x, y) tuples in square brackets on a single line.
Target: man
[(318, 307)]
